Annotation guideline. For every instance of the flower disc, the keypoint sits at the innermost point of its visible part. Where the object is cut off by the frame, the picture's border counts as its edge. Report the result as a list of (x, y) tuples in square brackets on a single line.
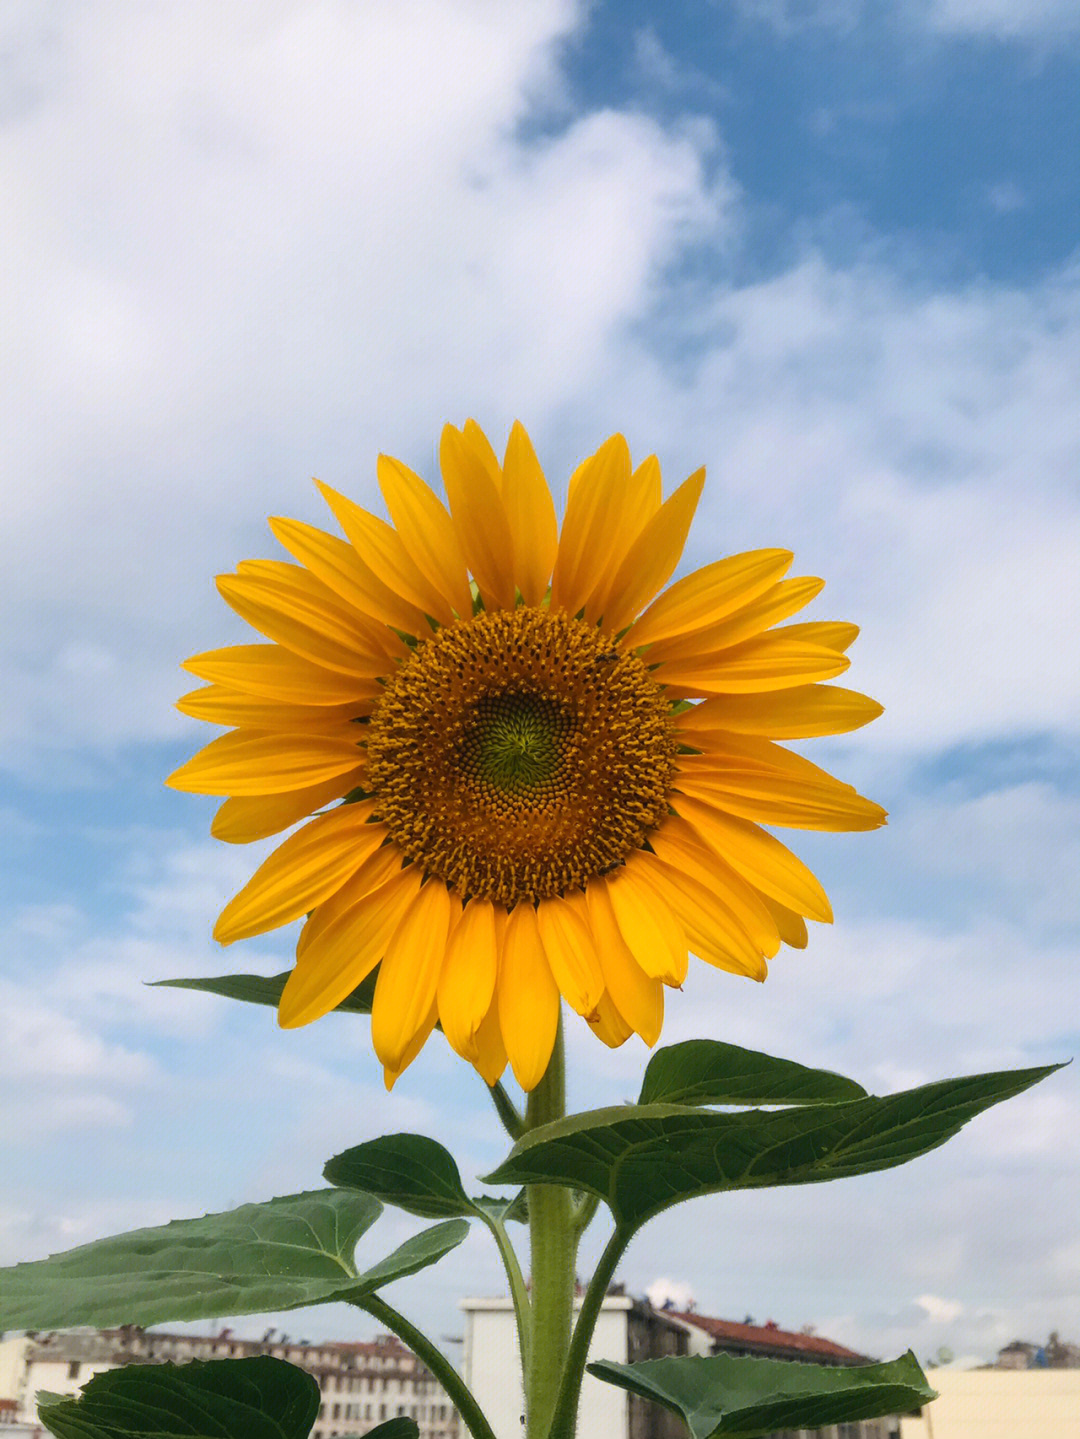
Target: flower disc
[(517, 755)]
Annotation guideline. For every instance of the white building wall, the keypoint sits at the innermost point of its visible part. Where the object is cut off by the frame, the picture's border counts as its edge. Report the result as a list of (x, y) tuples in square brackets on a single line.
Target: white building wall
[(492, 1368), (12, 1363)]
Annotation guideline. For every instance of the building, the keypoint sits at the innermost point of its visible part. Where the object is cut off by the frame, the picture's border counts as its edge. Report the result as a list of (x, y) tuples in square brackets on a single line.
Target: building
[(1051, 1355), (361, 1384), (999, 1403), (628, 1331), (765, 1341)]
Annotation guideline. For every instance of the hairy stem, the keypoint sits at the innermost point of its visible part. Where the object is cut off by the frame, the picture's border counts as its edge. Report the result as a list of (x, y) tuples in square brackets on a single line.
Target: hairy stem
[(513, 1121), (519, 1290), (460, 1394), (564, 1416), (553, 1245)]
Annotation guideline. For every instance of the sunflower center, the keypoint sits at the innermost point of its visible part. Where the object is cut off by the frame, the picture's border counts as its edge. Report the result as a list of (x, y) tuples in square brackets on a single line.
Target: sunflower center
[(518, 754)]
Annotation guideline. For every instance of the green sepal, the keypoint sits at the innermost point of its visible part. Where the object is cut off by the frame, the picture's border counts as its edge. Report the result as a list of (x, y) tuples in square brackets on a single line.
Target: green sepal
[(705, 1071), (289, 1252), (265, 989), (730, 1395), (418, 1175), (255, 1398), (642, 1159)]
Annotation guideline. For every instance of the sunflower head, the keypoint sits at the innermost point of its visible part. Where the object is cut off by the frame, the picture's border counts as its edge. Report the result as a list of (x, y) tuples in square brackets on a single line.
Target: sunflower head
[(523, 771)]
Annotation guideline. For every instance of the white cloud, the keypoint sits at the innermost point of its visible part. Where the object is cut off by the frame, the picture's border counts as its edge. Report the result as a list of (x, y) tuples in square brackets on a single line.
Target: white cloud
[(939, 1310), (1041, 20), (250, 246)]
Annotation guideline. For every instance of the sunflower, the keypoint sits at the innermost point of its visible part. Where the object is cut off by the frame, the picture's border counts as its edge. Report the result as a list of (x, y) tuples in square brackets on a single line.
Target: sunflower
[(529, 773)]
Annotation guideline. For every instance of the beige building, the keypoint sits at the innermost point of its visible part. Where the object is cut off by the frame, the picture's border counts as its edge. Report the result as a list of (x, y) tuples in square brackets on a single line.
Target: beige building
[(1000, 1403), (361, 1384)]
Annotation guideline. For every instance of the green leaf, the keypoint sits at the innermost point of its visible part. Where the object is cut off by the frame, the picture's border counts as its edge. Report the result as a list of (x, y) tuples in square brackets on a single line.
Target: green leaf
[(265, 989), (505, 1210), (723, 1394), (408, 1170), (400, 1428), (641, 1159), (257, 1398), (283, 1254), (417, 1174), (704, 1071)]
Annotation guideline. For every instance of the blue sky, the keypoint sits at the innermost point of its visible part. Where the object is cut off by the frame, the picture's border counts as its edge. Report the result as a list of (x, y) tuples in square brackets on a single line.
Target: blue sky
[(828, 250)]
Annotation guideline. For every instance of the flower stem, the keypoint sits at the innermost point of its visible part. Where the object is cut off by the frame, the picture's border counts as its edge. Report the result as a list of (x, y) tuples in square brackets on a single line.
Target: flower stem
[(564, 1415), (458, 1391), (553, 1244)]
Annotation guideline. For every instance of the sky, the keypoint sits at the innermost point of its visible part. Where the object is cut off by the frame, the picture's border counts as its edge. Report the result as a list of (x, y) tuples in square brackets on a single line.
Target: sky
[(828, 249)]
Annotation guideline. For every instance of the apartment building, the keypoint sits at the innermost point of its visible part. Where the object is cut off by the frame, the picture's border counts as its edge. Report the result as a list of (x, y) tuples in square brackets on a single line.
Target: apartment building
[(361, 1384)]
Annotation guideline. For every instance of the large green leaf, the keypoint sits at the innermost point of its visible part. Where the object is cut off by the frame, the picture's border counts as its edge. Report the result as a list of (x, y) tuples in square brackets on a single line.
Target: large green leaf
[(408, 1170), (400, 1428), (641, 1159), (723, 1394), (257, 1398), (704, 1071), (416, 1174), (284, 1254), (265, 989)]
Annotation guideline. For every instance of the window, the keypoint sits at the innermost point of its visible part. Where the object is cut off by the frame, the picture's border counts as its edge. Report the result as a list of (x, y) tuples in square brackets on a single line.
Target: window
[(73, 1369)]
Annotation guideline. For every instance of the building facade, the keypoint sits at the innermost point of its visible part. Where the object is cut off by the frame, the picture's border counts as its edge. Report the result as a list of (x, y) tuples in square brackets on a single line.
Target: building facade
[(361, 1384), (629, 1331)]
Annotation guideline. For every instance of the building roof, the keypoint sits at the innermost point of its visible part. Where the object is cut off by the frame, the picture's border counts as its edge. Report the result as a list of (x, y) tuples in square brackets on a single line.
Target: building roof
[(767, 1339)]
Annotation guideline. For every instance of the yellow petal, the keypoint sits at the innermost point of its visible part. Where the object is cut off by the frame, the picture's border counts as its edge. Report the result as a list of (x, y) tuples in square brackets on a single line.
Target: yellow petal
[(345, 952), (479, 519), (382, 549), (490, 1057), (832, 634), (379, 869), (564, 931), (528, 998), (216, 704), (307, 623), (792, 926), (592, 514), (713, 930), (530, 515), (277, 674), (769, 662), (467, 981), (248, 817), (638, 997), (759, 857), (774, 605), (307, 867), (246, 762), (638, 502), (709, 595), (777, 799), (480, 445), (726, 752), (339, 567), (676, 843), (409, 972), (647, 924), (650, 562), (427, 531), (798, 713), (412, 1049), (608, 1024)]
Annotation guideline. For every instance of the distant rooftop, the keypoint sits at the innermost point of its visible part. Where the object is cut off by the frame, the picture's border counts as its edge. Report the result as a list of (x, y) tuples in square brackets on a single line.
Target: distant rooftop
[(769, 1339)]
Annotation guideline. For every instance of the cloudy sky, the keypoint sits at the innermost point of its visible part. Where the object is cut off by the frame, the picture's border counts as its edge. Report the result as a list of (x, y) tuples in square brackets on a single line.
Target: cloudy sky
[(828, 248)]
